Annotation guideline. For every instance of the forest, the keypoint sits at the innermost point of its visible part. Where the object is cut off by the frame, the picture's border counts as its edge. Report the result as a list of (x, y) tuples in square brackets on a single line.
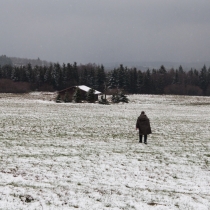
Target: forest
[(53, 77)]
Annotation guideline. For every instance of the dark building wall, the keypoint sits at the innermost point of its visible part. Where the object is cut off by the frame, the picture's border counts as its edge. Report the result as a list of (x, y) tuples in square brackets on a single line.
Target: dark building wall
[(69, 91)]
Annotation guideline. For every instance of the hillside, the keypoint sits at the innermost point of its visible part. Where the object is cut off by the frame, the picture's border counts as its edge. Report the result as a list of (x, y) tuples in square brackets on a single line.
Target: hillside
[(24, 61)]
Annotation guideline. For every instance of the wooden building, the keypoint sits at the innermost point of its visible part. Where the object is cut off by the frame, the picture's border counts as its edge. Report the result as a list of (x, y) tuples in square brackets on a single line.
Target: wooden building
[(69, 92)]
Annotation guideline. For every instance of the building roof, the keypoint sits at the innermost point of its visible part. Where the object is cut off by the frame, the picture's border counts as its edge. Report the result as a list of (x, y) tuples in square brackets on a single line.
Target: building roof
[(81, 87), (86, 89)]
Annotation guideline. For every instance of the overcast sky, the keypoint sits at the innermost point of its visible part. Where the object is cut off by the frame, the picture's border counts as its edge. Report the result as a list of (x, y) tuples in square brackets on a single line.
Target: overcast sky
[(103, 31)]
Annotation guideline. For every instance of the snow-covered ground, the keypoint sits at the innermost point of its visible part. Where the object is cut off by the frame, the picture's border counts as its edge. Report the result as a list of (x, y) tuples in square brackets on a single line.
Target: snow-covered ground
[(87, 156)]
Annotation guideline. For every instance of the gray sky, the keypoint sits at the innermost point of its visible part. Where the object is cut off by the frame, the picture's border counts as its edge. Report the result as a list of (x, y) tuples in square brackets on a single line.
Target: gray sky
[(103, 31)]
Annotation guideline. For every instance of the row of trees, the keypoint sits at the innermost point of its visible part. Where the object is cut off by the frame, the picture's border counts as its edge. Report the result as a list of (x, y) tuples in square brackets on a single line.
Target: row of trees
[(22, 61), (130, 80), (162, 81), (4, 60)]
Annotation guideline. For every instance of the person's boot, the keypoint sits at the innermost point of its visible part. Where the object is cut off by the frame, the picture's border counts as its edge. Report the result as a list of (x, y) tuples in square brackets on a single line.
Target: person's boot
[(140, 138), (145, 139)]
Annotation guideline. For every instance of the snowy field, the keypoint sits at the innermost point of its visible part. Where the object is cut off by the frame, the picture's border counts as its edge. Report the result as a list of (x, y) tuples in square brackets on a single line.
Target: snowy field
[(87, 156)]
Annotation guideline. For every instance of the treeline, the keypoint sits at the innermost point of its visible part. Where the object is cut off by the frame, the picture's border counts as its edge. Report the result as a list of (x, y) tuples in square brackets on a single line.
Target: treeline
[(4, 60), (130, 80), (14, 61)]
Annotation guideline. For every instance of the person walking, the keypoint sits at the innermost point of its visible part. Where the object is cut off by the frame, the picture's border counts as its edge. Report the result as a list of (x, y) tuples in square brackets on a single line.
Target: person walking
[(143, 125)]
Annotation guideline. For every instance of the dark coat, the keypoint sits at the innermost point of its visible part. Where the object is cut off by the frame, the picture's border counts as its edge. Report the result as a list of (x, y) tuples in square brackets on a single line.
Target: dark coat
[(143, 125)]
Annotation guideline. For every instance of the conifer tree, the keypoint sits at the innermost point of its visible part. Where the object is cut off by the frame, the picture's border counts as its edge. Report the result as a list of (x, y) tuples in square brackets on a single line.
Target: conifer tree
[(15, 74), (48, 75), (147, 82), (29, 73), (90, 96), (91, 78), (37, 76), (75, 74), (0, 72), (176, 78), (162, 70), (7, 71), (139, 82), (133, 81), (57, 76), (181, 69), (113, 79), (121, 77), (58, 98), (67, 97), (69, 77), (100, 77), (64, 78), (203, 79), (77, 96)]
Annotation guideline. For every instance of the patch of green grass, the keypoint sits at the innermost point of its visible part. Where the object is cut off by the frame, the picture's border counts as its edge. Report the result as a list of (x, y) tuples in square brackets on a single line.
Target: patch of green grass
[(13, 184), (199, 104), (108, 205)]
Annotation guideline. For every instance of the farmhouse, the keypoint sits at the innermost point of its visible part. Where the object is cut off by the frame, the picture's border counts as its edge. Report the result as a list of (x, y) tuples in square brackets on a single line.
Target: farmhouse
[(83, 92)]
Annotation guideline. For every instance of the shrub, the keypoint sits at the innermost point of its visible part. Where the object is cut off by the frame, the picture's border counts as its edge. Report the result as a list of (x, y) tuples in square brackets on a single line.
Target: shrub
[(123, 98), (103, 101), (115, 98), (119, 97), (177, 89), (9, 86), (46, 87), (58, 99)]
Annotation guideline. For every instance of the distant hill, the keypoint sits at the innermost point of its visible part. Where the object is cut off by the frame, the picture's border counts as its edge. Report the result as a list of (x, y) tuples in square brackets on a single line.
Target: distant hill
[(143, 66), (25, 61), (156, 65), (14, 61), (4, 60)]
